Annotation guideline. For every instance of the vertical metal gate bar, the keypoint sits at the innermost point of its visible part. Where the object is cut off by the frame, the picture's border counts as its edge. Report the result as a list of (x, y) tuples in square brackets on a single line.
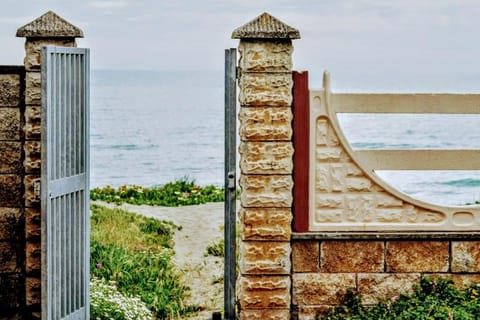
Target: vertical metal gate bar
[(65, 154), (230, 183)]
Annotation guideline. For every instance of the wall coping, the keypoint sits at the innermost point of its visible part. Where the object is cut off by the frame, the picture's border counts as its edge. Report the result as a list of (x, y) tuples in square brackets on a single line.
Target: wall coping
[(265, 26), (49, 25), (379, 236)]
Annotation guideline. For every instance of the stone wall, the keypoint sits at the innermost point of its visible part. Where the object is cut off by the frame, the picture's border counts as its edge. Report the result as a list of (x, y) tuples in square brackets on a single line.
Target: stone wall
[(20, 164), (323, 270), (296, 275), (12, 214), (266, 165)]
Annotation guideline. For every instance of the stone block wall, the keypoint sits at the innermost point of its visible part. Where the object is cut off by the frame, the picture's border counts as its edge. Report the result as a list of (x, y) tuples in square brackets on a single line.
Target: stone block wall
[(300, 273), (266, 150), (12, 213), (323, 270), (20, 169)]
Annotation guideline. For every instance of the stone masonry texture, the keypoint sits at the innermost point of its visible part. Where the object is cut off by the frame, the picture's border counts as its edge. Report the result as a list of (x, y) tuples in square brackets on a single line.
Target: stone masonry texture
[(265, 82), (20, 165), (286, 275), (12, 219)]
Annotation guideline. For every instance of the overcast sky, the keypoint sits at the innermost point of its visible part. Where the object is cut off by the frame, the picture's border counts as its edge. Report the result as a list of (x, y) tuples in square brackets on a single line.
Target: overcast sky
[(430, 36)]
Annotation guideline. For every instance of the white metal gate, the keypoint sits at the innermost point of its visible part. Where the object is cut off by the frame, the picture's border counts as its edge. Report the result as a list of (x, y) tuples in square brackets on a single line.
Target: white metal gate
[(65, 183)]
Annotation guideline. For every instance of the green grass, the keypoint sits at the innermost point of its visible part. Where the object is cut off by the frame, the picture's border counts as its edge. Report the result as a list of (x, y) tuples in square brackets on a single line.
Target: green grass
[(181, 192), (216, 249), (136, 252), (431, 300)]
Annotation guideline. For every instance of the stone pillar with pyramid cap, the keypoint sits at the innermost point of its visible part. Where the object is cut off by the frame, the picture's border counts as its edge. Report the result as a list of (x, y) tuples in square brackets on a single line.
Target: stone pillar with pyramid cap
[(266, 165), (48, 29)]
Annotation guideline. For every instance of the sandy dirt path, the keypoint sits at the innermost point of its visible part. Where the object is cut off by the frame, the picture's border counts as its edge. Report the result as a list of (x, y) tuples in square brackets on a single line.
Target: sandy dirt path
[(201, 225)]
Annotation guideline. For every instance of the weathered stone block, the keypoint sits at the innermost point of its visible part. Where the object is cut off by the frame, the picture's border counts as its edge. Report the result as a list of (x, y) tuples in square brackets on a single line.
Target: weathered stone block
[(10, 157), (11, 226), (266, 224), (33, 223), (359, 184), (33, 156), (329, 154), (9, 90), (33, 291), (325, 135), (306, 256), (265, 314), (266, 89), (389, 215), (329, 215), (266, 157), (329, 200), (320, 288), (466, 256), (375, 287), (10, 124), (8, 257), (257, 292), (267, 124), (330, 177), (12, 287), (34, 50), (417, 256), (263, 56), (460, 281), (313, 313), (33, 88), (10, 190), (33, 257), (260, 257), (32, 190), (352, 256), (269, 191), (352, 170), (33, 123), (463, 281), (385, 200), (360, 207)]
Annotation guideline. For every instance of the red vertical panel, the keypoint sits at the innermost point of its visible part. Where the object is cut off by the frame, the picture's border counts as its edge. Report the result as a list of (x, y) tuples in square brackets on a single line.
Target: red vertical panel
[(301, 142)]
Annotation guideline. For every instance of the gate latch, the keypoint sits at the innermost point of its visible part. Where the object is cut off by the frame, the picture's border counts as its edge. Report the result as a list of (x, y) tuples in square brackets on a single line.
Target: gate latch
[(231, 180)]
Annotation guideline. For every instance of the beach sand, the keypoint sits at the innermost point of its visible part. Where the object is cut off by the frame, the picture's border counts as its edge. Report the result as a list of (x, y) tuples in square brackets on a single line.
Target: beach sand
[(201, 225)]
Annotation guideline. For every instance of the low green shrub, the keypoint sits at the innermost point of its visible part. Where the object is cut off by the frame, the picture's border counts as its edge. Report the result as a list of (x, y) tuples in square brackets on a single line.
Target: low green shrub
[(106, 303), (216, 249), (182, 192), (136, 253), (431, 300)]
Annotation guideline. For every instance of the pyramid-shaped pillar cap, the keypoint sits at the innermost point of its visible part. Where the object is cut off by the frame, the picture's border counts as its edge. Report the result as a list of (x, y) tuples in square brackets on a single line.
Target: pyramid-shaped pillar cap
[(49, 25), (265, 26)]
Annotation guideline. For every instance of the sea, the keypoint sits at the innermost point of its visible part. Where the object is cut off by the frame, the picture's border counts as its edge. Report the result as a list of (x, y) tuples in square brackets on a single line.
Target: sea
[(152, 127)]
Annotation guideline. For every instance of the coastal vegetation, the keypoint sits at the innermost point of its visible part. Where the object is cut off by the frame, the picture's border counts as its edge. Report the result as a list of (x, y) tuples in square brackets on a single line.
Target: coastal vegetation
[(432, 299), (181, 192), (134, 253)]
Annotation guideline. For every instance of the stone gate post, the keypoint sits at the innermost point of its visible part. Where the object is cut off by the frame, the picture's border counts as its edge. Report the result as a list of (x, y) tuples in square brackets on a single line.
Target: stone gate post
[(49, 29), (265, 81)]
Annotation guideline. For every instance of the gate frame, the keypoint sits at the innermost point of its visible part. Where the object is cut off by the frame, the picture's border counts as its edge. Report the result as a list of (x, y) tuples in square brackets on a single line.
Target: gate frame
[(46, 191)]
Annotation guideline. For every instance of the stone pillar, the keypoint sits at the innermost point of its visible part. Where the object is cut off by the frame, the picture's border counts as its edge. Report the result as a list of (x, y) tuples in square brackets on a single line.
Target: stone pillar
[(266, 165), (49, 29)]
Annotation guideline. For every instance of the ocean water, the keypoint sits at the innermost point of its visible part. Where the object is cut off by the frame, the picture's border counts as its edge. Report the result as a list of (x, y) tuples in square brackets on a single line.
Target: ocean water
[(152, 127)]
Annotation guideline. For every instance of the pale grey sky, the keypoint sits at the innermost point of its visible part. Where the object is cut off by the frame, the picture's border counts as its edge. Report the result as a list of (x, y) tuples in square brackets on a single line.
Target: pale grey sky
[(429, 36)]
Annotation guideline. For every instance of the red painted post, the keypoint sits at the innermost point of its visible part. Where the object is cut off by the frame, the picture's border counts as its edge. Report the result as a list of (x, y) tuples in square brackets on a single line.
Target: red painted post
[(301, 142)]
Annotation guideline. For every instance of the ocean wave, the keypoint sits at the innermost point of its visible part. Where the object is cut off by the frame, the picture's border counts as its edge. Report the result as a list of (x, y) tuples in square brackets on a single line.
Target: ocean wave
[(461, 183)]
